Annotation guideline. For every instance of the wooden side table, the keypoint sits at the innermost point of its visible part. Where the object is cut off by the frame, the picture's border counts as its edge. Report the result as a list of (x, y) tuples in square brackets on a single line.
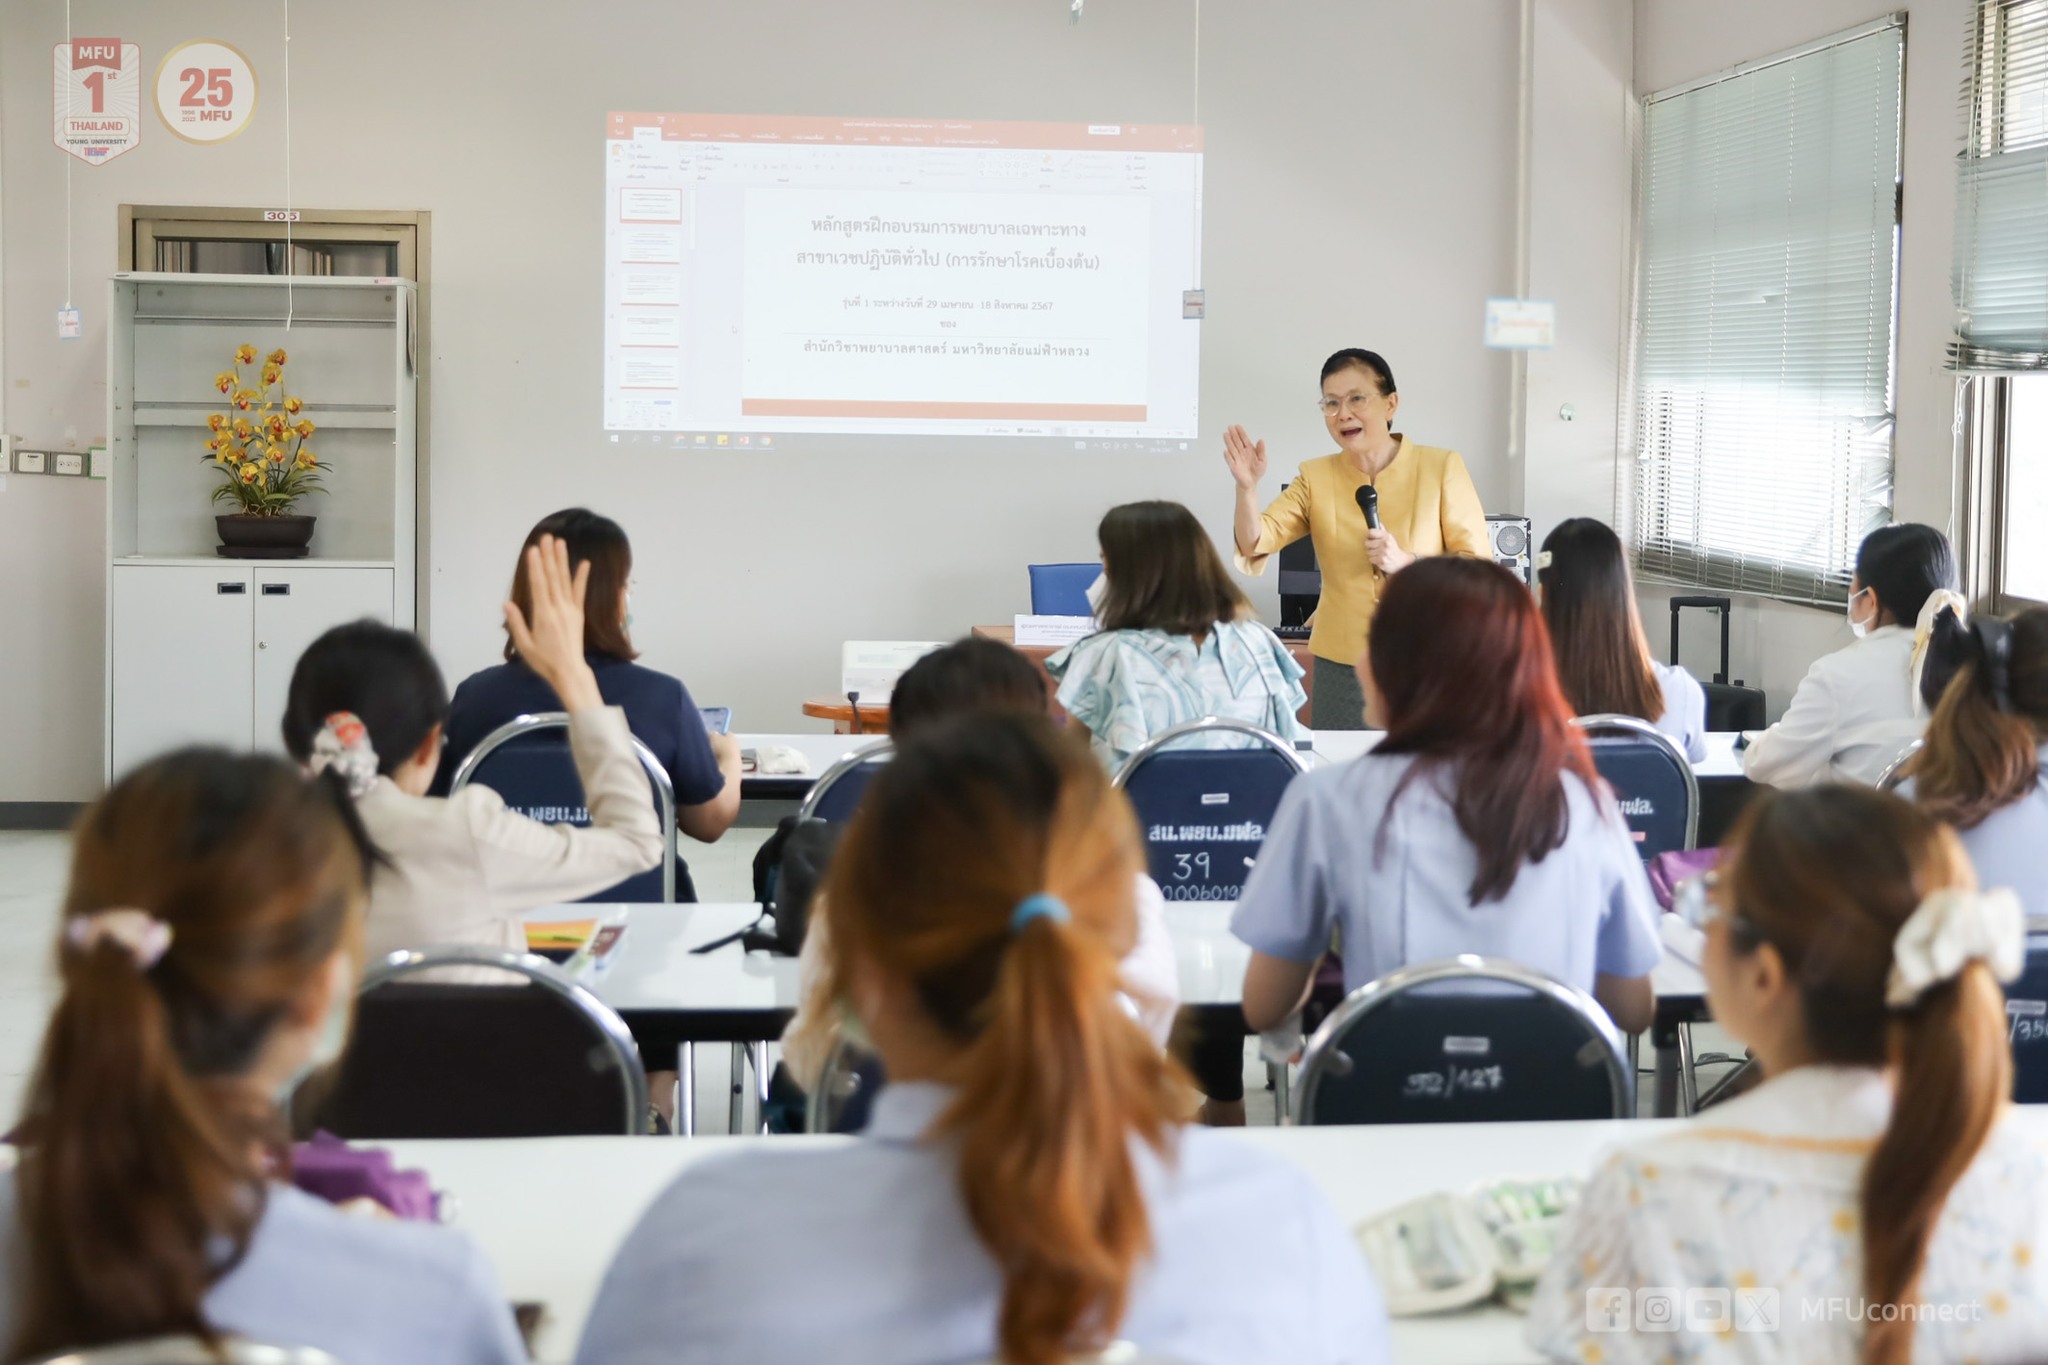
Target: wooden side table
[(874, 716)]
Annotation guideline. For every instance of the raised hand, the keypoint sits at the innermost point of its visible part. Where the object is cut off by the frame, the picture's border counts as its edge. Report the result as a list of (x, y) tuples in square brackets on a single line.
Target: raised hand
[(1246, 458), (552, 642)]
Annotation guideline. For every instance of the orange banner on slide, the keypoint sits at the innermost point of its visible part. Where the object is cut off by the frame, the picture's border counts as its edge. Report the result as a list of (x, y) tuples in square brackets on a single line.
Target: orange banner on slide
[(876, 407), (908, 132)]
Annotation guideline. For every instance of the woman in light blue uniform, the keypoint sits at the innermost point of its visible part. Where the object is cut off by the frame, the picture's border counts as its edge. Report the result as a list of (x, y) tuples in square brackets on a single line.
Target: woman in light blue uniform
[(1024, 1191), (1982, 767), (209, 949), (1478, 826)]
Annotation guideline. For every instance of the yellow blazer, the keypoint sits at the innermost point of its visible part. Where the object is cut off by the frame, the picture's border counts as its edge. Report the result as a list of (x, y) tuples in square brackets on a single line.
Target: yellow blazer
[(1426, 499)]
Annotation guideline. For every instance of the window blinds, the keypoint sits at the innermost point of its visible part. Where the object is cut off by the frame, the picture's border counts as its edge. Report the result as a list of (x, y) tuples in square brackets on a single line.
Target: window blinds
[(2001, 264), (1764, 312)]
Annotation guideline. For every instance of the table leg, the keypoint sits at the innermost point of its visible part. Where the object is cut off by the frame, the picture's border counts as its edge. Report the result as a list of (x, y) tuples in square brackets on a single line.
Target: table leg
[(758, 1054), (686, 1090), (1688, 1079), (738, 1078), (1664, 1094)]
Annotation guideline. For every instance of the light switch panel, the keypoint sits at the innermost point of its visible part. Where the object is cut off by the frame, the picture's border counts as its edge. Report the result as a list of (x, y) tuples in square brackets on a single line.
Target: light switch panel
[(28, 461)]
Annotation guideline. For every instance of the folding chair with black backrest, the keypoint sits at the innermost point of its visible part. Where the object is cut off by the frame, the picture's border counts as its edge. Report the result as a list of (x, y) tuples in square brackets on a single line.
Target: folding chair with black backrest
[(840, 787), (1652, 779), (1204, 812), (188, 1350), (527, 762), (1465, 1040), (844, 1096), (473, 1043), (2026, 1012)]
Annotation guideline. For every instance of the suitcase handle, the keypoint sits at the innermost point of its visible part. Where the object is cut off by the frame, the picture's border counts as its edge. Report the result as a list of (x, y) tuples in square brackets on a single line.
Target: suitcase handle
[(1720, 604)]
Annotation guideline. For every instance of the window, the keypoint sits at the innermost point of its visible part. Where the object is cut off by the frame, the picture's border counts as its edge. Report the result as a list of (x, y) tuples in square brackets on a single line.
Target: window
[(2001, 289), (1765, 297)]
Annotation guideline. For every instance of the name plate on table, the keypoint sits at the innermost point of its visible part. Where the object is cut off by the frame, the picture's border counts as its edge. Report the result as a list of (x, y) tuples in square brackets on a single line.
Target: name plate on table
[(871, 667), (1058, 631)]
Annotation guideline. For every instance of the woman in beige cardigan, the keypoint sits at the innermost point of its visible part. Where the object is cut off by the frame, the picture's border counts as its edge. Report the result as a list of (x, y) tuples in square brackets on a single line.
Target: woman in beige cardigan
[(367, 704)]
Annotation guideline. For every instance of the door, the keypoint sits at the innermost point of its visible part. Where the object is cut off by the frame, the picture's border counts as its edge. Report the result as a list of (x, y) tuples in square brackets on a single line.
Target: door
[(181, 659), (294, 607)]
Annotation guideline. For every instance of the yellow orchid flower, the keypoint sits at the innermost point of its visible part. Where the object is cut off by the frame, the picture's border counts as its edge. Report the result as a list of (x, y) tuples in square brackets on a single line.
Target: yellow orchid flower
[(225, 381), (245, 400), (251, 473), (292, 406), (271, 374), (275, 424), (245, 354), (278, 357), (305, 460), (215, 421), (276, 454), (244, 428), (305, 428)]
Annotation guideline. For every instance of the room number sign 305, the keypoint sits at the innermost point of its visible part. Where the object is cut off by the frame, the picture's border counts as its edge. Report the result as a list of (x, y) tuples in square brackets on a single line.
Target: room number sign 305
[(205, 91)]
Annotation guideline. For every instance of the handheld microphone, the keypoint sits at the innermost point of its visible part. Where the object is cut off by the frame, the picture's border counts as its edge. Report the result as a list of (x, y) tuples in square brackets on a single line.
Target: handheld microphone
[(1369, 503)]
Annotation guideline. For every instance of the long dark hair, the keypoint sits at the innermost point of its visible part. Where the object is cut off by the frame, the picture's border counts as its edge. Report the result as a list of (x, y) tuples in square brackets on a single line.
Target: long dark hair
[(600, 542), (1904, 565), (141, 1178), (1055, 1084), (1596, 633), (1827, 876), (1461, 658), (384, 675), (972, 674), (1163, 572), (1983, 744)]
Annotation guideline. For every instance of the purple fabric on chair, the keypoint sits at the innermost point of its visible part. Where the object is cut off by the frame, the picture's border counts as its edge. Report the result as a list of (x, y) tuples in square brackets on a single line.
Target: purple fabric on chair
[(1667, 870), (337, 1172)]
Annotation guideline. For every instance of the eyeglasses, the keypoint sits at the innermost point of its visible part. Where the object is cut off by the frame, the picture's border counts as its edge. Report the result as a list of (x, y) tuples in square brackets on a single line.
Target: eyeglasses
[(1694, 902), (1360, 401)]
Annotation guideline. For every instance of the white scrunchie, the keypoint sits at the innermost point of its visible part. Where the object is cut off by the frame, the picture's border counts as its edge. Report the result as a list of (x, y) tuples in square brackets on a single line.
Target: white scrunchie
[(1923, 631), (1951, 929), (141, 935), (343, 744), (1543, 559)]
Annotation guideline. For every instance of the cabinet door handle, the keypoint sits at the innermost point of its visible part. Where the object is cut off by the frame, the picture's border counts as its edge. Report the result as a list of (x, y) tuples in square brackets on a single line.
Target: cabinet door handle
[(231, 589), (277, 590)]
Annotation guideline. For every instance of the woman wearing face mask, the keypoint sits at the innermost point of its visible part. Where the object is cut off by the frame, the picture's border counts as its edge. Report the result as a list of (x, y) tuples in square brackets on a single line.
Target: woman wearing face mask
[(1874, 1189), (703, 769), (1427, 506), (1177, 641), (1859, 708), (208, 952)]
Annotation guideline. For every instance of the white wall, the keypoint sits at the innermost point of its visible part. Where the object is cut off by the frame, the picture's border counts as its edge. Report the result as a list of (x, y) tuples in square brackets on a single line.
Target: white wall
[(1679, 40), (1360, 184)]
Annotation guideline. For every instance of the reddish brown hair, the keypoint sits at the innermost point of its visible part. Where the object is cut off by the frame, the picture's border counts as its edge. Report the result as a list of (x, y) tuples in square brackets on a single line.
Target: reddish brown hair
[(1589, 607), (141, 1154), (601, 543), (1983, 748), (1053, 1079), (1463, 663), (1827, 876)]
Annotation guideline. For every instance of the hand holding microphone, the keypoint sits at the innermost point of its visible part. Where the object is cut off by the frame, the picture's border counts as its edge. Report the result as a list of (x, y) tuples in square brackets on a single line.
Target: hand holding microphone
[(1380, 546)]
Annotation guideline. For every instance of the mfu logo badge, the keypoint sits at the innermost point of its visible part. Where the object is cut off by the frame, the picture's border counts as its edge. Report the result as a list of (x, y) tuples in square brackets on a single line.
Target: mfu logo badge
[(96, 112)]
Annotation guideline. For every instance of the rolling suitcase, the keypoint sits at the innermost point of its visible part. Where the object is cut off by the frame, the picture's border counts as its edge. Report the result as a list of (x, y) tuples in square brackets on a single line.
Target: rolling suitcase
[(1730, 705)]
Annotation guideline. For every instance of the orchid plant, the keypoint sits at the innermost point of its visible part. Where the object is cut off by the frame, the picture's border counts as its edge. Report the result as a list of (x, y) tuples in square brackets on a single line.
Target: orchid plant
[(261, 446)]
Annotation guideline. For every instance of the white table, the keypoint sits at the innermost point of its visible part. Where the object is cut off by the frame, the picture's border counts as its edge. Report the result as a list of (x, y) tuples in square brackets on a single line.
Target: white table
[(550, 1212), (820, 751), (1338, 746)]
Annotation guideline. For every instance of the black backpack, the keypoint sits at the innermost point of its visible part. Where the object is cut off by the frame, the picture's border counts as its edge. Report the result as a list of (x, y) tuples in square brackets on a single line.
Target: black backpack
[(788, 869)]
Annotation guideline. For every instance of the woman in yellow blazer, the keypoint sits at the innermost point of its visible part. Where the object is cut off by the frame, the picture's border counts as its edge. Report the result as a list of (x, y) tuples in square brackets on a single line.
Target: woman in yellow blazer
[(1427, 506)]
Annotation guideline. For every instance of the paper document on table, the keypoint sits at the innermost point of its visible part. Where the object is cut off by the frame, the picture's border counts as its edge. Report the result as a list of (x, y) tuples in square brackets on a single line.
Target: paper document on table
[(1052, 630), (1681, 940)]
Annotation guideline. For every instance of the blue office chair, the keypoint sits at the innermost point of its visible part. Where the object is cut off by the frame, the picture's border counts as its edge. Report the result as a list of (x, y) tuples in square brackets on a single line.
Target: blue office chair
[(1204, 811), (1465, 1040), (1062, 589), (839, 788), (2026, 1012), (480, 1042), (527, 762), (1653, 781)]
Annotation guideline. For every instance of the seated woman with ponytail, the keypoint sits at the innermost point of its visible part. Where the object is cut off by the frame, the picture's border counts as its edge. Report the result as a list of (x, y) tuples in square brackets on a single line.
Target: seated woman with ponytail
[(1859, 708), (1874, 1180), (368, 702), (211, 936), (1024, 1192), (1982, 768)]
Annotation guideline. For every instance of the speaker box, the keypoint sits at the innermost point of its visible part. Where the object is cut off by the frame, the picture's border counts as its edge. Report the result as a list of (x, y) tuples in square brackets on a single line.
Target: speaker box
[(1512, 549)]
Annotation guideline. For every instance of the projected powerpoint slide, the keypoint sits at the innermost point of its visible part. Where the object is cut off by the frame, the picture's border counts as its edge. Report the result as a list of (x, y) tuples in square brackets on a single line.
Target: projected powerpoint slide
[(909, 277)]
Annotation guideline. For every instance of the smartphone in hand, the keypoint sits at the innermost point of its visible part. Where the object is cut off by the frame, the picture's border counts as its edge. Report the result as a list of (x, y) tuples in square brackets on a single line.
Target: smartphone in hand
[(717, 719)]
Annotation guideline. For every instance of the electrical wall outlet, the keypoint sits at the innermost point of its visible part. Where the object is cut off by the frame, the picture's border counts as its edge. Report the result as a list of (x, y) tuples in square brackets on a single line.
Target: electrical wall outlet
[(69, 462), (28, 461)]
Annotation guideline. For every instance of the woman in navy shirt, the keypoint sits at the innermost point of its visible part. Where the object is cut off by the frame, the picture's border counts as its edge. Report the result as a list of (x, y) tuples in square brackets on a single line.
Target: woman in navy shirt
[(703, 768)]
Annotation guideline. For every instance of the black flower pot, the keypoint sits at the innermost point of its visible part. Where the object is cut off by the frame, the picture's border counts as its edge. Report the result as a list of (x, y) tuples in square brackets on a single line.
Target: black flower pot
[(246, 537)]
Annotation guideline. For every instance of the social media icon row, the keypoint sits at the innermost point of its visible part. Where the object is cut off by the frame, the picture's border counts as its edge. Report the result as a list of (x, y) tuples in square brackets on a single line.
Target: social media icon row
[(1666, 1309)]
